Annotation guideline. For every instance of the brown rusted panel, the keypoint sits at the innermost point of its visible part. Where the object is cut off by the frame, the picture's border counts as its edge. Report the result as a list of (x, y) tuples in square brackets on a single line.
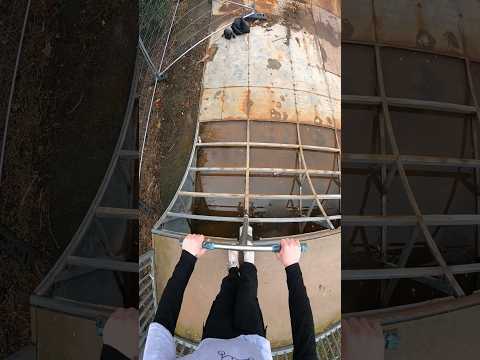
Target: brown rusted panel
[(226, 130), (357, 20), (470, 11), (443, 26), (272, 104), (328, 30), (235, 103), (431, 25), (267, 6), (275, 6)]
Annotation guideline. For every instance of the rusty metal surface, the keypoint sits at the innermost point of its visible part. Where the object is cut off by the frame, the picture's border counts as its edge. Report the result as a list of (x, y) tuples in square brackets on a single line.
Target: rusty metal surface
[(423, 49), (279, 84), (277, 75), (284, 72), (443, 26), (278, 72)]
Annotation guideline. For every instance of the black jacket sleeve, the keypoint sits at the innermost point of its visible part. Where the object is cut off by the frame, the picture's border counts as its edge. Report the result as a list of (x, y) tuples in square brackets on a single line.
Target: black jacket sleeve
[(110, 353), (171, 301), (301, 318)]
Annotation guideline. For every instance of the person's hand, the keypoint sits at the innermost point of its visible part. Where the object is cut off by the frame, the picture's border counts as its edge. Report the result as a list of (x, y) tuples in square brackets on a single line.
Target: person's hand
[(193, 244), (290, 252), (121, 332), (362, 339)]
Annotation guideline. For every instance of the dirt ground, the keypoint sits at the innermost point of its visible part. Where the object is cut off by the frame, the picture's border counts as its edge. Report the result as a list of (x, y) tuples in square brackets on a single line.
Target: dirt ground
[(170, 135), (71, 93)]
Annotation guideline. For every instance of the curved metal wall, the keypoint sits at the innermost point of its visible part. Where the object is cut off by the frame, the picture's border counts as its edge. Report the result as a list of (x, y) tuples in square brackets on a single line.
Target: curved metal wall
[(411, 84)]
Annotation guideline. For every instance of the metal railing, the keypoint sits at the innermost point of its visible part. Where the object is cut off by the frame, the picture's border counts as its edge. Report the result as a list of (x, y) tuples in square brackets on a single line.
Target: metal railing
[(90, 250), (147, 294), (394, 165)]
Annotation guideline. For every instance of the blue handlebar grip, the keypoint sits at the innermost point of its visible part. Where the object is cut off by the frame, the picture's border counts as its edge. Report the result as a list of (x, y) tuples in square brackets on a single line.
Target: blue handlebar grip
[(277, 247), (208, 245)]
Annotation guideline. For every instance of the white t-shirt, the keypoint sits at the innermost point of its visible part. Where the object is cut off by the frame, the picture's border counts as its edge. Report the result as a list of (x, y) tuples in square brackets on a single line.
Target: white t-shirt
[(160, 345)]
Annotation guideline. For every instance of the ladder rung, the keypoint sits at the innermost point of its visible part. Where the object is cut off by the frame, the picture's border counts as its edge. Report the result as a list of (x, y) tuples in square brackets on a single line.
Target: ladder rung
[(274, 171), (129, 154), (260, 196), (267, 145), (111, 212), (103, 264), (252, 220)]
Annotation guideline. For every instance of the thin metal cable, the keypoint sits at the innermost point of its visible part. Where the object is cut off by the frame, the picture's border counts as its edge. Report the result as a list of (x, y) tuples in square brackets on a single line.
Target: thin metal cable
[(12, 89), (153, 94), (168, 36)]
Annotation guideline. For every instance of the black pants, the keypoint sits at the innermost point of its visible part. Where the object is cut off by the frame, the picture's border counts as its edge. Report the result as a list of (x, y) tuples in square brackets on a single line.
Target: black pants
[(235, 311)]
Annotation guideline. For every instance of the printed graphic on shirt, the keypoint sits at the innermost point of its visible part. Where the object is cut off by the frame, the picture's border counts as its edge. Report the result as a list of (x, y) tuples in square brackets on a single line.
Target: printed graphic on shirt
[(225, 356)]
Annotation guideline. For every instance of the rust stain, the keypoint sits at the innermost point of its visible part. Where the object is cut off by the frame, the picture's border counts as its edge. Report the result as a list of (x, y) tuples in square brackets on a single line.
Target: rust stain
[(324, 54), (297, 16), (288, 37), (327, 32), (211, 52), (266, 6), (274, 64), (202, 157), (424, 39), (451, 40), (347, 29), (246, 103), (276, 115), (228, 7)]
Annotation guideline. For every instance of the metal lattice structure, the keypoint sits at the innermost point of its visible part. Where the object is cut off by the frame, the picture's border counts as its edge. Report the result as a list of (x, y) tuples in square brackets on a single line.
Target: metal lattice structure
[(266, 149), (92, 276), (147, 294), (180, 207), (394, 170), (311, 151)]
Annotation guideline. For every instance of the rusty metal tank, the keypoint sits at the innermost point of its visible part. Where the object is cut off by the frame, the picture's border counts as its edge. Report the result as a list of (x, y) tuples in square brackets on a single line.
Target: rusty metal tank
[(410, 171), (266, 152)]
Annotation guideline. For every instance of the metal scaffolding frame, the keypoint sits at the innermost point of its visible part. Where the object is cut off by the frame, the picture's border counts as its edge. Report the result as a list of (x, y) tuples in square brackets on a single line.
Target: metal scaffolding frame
[(303, 174), (305, 197), (394, 164), (71, 265), (147, 306)]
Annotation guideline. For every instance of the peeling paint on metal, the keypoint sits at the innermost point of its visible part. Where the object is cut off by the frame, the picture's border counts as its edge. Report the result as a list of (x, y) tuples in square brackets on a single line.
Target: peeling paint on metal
[(447, 27)]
